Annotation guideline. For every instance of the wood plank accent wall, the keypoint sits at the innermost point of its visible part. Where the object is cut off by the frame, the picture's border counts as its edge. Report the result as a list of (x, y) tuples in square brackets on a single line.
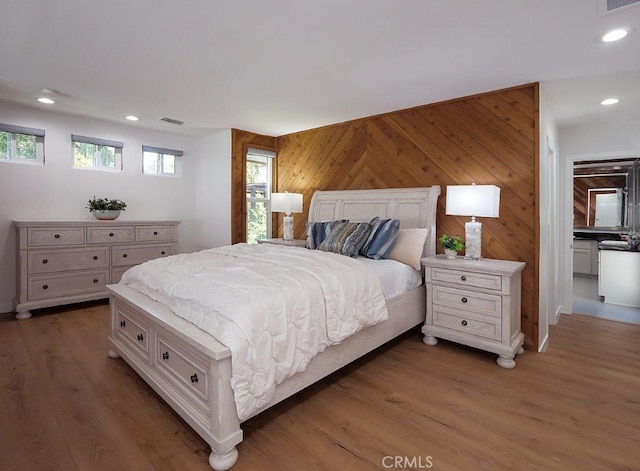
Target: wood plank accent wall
[(490, 138)]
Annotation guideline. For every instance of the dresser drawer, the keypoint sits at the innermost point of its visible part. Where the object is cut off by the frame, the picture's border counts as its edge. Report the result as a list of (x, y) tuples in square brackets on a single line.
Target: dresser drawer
[(134, 331), (134, 255), (158, 233), (468, 323), (53, 286), (82, 258), (55, 236), (114, 234), (466, 300), (184, 367), (117, 272), (466, 278)]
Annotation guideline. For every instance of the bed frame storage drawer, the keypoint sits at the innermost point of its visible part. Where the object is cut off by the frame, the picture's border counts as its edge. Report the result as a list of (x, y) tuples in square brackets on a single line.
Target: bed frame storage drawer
[(81, 258), (53, 286), (133, 330), (67, 256)]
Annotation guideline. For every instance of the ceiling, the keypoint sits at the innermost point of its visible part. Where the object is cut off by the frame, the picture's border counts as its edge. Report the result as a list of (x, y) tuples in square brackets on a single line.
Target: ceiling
[(281, 66)]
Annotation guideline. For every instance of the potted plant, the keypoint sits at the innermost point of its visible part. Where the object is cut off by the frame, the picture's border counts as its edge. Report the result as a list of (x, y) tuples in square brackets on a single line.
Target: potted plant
[(451, 245), (105, 208)]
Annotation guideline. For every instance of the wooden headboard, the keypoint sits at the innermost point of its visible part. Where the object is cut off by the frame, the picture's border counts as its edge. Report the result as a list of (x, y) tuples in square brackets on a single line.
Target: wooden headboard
[(414, 207)]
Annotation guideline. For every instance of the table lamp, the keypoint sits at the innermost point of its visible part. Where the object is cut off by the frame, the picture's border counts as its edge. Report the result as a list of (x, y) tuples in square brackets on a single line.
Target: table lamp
[(287, 203)]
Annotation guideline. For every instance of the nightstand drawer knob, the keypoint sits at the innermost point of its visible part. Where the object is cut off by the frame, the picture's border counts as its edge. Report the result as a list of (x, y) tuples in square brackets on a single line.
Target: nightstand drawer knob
[(463, 278), (464, 300), (464, 322)]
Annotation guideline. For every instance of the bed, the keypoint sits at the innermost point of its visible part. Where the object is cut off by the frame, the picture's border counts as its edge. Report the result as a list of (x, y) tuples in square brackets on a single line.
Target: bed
[(192, 371)]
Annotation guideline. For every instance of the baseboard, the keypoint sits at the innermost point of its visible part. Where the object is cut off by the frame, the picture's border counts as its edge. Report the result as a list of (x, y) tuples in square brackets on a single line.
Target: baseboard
[(544, 344)]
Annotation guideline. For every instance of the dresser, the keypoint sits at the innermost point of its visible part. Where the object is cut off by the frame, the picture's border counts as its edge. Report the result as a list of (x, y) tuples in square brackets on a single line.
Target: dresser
[(475, 303), (64, 262)]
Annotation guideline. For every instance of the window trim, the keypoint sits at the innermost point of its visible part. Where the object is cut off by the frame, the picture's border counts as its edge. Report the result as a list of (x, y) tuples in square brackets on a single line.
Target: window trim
[(12, 130)]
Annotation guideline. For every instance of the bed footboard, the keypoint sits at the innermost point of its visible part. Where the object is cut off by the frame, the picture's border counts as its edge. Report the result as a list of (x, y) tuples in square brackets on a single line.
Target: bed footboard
[(190, 370)]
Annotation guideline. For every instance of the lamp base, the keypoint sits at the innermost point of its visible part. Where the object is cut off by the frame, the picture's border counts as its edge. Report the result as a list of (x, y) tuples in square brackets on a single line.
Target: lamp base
[(473, 240), (288, 228)]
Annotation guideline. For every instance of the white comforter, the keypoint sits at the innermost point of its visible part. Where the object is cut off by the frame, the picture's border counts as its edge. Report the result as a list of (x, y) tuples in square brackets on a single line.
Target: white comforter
[(274, 307)]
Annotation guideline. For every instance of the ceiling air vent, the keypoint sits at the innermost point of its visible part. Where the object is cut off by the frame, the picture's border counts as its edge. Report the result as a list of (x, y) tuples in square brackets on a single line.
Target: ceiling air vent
[(177, 121), (606, 7)]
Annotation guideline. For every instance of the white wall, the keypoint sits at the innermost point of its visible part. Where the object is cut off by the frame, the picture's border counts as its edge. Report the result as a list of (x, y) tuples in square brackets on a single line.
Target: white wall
[(57, 191)]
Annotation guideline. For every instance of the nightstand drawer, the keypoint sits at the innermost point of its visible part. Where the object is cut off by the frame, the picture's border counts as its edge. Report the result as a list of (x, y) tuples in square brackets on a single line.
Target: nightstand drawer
[(488, 304), (466, 278), (480, 326)]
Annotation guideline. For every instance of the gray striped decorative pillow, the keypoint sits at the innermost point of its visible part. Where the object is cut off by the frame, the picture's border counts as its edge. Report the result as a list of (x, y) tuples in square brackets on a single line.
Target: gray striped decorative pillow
[(384, 233), (318, 231), (346, 239)]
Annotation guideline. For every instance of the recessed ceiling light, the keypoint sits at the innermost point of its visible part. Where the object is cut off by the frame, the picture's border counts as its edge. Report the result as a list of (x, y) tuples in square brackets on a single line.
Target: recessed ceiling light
[(132, 118), (614, 35), (609, 101), (46, 101)]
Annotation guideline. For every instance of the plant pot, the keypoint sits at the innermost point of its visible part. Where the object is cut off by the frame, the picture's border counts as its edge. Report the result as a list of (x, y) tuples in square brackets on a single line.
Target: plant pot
[(450, 254), (106, 214)]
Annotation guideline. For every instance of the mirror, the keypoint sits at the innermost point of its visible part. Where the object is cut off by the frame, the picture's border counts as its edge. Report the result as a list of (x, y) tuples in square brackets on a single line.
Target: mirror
[(601, 194)]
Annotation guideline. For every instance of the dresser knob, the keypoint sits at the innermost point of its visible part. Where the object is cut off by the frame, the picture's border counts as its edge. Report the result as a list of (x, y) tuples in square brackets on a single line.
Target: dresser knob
[(194, 378), (95, 280), (464, 322), (95, 257), (165, 356), (124, 255), (155, 232), (110, 234), (45, 261), (45, 286), (163, 252), (140, 337), (464, 300), (57, 236), (463, 278), (123, 323)]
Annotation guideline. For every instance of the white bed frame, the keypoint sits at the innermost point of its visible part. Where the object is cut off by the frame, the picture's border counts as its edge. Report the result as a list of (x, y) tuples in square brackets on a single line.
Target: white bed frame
[(191, 370)]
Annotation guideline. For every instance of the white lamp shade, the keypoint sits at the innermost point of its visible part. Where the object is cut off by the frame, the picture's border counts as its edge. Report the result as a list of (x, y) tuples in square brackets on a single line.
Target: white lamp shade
[(286, 203), (473, 200)]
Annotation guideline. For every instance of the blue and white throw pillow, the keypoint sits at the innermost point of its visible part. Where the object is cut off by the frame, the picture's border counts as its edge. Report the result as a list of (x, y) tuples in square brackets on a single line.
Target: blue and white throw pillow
[(318, 231), (346, 239), (384, 233)]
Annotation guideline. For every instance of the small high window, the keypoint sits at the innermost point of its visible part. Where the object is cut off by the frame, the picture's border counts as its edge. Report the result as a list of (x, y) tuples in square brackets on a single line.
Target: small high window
[(21, 145), (97, 154), (159, 161)]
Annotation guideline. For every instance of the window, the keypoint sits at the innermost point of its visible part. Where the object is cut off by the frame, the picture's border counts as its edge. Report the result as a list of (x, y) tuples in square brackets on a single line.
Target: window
[(258, 181), (97, 154), (21, 145), (158, 161)]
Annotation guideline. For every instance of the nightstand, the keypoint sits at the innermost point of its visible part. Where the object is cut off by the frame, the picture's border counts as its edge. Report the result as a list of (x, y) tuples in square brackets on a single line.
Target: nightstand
[(474, 303), (293, 243)]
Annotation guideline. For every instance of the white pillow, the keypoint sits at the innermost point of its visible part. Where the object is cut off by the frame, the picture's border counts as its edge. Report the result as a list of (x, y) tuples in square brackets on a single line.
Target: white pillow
[(409, 246)]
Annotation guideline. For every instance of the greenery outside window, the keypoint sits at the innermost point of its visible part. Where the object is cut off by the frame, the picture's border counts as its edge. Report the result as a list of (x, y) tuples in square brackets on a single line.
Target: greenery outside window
[(21, 145), (159, 161), (258, 193), (97, 154)]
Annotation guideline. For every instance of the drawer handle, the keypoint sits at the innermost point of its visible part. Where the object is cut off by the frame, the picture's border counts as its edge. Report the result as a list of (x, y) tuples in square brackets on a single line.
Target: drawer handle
[(163, 252), (57, 236), (45, 261), (464, 300), (123, 323), (95, 280), (95, 257), (463, 278), (464, 322), (155, 232), (45, 286), (140, 337), (110, 234), (124, 255), (194, 378), (165, 356)]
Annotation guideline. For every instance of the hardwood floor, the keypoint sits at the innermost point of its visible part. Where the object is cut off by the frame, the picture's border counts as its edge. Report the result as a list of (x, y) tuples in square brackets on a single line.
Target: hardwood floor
[(64, 405)]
